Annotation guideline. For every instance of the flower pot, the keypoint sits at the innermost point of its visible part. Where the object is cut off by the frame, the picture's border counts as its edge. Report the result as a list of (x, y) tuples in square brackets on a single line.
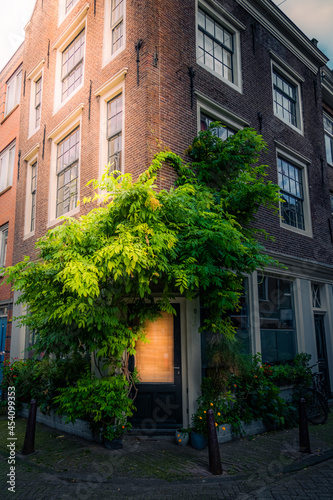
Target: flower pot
[(115, 444), (198, 441), (182, 438)]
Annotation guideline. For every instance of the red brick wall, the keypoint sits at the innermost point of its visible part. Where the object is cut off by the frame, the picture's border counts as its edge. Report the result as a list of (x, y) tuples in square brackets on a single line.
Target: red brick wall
[(158, 110), (9, 131)]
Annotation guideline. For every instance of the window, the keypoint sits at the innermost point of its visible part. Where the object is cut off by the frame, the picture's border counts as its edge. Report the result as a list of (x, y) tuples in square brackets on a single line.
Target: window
[(216, 46), (222, 132), (68, 151), (3, 244), (328, 128), (277, 319), (72, 65), (33, 191), (291, 185), (70, 4), (7, 158), (331, 199), (286, 94), (117, 24), (218, 43), (316, 300), (114, 36), (114, 129), (112, 119), (284, 99), (38, 101), (13, 91)]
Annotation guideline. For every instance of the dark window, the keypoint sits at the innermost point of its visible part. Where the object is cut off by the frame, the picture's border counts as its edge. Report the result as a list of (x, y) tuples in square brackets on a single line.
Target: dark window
[(277, 321), (68, 172), (216, 46), (33, 195), (291, 190), (284, 98), (328, 127), (72, 65), (117, 24), (114, 132), (38, 101), (222, 132)]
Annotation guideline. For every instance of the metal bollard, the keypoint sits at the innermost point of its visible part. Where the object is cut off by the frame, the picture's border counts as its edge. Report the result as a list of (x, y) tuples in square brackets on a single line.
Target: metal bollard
[(29, 440), (215, 466), (304, 438)]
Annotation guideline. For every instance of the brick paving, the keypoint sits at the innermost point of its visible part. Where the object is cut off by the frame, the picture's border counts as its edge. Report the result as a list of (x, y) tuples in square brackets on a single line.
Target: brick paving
[(268, 466)]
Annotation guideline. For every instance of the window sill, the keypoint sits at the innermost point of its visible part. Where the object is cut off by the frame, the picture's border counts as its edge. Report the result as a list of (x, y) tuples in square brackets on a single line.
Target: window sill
[(302, 232), (224, 80), (10, 113), (62, 104), (298, 130), (60, 219), (5, 190), (28, 235), (110, 57)]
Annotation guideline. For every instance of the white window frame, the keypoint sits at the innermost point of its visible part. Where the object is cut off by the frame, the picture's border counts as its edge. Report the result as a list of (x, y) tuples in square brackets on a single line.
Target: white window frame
[(302, 163), (294, 80), (7, 166), (230, 23), (219, 113), (3, 244), (62, 14), (34, 76), (13, 88), (329, 139), (108, 55), (31, 158), (78, 24), (67, 126), (112, 88)]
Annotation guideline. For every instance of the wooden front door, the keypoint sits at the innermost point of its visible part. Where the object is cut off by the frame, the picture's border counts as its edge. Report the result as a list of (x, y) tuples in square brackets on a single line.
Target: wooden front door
[(159, 398)]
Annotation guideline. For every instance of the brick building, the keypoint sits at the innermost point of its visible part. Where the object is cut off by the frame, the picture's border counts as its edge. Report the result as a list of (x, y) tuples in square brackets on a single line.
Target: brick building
[(10, 92), (109, 80)]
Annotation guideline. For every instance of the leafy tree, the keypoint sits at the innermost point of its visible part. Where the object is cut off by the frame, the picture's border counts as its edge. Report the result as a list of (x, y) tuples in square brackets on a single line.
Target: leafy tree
[(99, 278)]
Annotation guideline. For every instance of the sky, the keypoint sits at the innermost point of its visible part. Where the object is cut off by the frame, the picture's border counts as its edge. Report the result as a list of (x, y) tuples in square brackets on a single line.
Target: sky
[(313, 17)]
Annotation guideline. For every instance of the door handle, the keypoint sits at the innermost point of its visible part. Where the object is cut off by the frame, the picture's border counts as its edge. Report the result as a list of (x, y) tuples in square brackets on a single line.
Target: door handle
[(176, 367)]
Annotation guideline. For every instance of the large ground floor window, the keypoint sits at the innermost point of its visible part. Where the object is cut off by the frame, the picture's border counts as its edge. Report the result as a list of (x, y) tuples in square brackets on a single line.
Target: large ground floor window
[(277, 319)]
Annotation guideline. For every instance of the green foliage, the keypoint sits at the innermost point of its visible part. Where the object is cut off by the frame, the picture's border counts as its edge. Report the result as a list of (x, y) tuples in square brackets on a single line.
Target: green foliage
[(42, 379), (296, 372), (104, 402), (95, 282)]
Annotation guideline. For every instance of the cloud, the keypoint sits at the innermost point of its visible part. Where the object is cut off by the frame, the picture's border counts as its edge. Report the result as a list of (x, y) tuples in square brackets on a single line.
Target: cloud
[(315, 19)]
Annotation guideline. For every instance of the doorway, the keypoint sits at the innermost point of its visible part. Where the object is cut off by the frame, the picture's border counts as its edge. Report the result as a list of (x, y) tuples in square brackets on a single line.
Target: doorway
[(159, 398), (321, 348)]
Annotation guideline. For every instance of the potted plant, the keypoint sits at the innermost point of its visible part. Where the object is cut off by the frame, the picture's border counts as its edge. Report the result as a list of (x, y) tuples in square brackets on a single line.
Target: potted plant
[(182, 436)]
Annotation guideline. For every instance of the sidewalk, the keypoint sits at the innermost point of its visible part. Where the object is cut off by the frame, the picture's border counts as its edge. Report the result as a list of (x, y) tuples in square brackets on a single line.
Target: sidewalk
[(65, 466)]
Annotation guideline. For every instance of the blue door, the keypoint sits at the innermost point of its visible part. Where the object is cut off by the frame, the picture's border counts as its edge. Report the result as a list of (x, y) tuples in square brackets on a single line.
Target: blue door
[(3, 325)]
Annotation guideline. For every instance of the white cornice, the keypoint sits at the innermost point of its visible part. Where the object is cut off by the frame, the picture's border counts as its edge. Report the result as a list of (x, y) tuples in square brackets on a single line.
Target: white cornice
[(217, 7), (302, 268), (36, 70), (294, 32), (31, 153), (72, 29), (291, 151), (112, 82), (208, 101), (67, 121)]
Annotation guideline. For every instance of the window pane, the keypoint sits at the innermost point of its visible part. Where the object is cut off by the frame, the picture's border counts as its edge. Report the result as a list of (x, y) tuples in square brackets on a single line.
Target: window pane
[(217, 44), (277, 322)]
